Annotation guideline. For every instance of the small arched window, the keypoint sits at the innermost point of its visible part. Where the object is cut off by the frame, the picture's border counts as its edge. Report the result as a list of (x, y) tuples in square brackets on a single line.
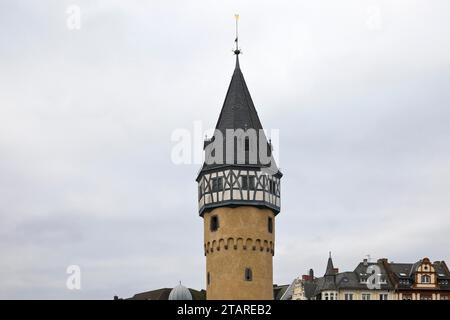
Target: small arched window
[(248, 276), (247, 144), (426, 278)]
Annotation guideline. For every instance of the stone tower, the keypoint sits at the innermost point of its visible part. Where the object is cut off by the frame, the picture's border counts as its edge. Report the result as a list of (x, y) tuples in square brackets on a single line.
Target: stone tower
[(239, 197)]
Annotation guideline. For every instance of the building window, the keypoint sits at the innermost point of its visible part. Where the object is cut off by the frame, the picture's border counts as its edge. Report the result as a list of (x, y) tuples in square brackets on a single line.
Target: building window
[(270, 224), (214, 223), (269, 149), (248, 276), (248, 183), (272, 186), (217, 184), (383, 296), (425, 278), (247, 144), (425, 297), (404, 281), (366, 296), (407, 297), (200, 191), (244, 183), (208, 278), (251, 182), (444, 297), (325, 296), (348, 296)]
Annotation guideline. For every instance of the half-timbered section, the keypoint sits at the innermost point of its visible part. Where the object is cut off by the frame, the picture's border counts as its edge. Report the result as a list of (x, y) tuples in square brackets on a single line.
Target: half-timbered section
[(238, 187)]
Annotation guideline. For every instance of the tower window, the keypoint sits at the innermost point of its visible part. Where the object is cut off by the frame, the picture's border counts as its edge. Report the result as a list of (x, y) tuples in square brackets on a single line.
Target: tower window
[(251, 182), (269, 149), (244, 183), (214, 223), (208, 278), (272, 186), (200, 191), (248, 276), (248, 183), (247, 144), (217, 184), (270, 224)]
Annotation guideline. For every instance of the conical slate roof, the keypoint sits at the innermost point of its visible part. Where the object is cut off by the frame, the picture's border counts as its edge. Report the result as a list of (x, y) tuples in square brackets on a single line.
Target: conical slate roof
[(238, 112), (330, 267)]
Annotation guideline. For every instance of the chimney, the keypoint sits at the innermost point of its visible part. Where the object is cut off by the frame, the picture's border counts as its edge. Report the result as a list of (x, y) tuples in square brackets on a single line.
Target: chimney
[(311, 274), (365, 262)]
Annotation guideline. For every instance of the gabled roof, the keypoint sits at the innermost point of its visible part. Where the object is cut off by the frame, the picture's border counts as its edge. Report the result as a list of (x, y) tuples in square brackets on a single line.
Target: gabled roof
[(279, 291)]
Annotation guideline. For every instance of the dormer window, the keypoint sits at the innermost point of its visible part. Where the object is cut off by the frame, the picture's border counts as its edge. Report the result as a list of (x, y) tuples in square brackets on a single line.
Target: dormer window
[(404, 281), (425, 278)]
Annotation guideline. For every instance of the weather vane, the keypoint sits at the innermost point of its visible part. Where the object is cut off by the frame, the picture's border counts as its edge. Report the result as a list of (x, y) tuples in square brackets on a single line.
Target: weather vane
[(237, 51)]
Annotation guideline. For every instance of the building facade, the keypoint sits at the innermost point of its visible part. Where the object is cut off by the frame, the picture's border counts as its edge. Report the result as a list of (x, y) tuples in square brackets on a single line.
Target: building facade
[(239, 198), (422, 280), (368, 281), (381, 280)]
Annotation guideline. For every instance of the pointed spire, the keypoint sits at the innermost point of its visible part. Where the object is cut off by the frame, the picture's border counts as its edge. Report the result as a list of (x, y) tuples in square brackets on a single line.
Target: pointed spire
[(239, 112), (330, 267)]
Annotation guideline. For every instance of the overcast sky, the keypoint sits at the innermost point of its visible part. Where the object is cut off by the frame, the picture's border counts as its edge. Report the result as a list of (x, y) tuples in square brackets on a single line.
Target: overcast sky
[(359, 90)]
